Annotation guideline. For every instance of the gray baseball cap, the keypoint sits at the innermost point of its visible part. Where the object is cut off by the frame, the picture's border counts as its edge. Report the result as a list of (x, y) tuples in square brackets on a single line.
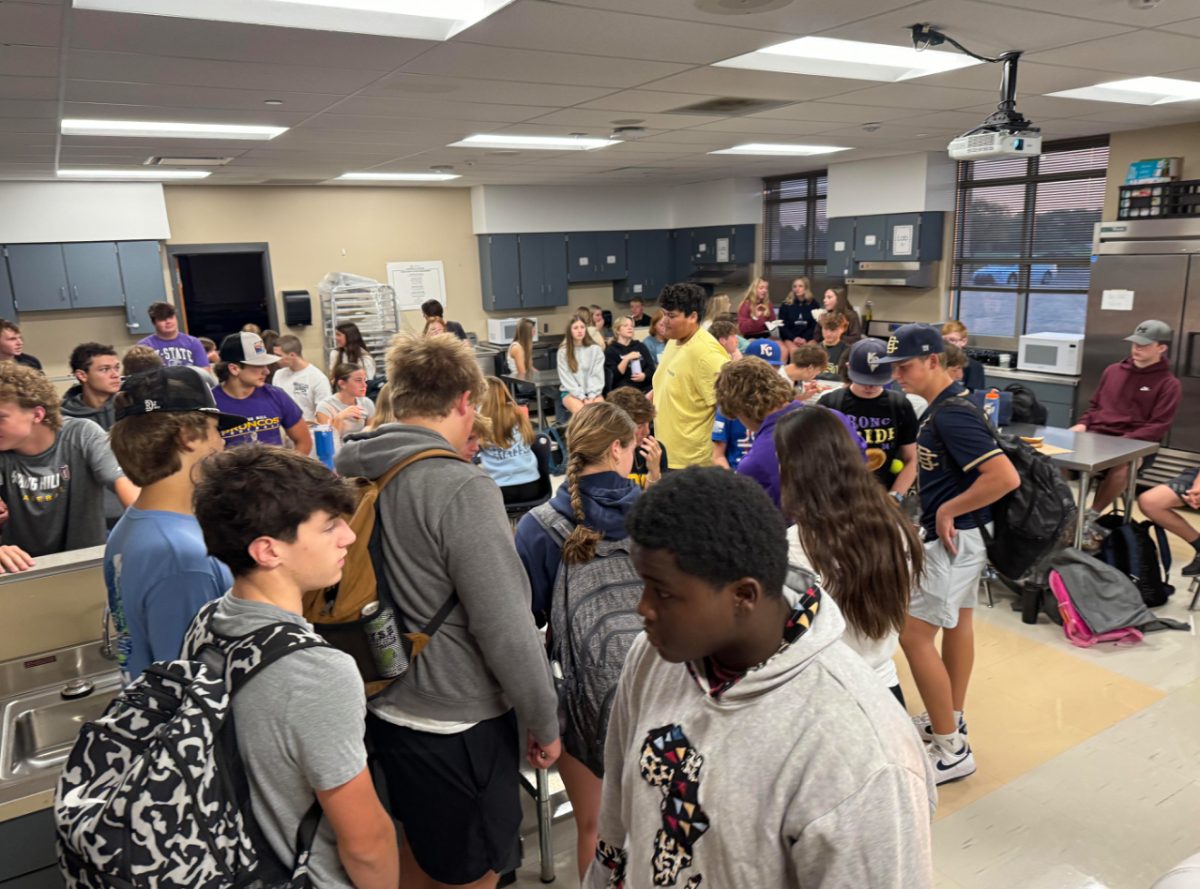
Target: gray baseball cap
[(1151, 332)]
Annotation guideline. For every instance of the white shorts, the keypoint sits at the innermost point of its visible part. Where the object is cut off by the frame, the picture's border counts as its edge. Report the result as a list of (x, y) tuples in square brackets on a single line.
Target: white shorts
[(949, 582)]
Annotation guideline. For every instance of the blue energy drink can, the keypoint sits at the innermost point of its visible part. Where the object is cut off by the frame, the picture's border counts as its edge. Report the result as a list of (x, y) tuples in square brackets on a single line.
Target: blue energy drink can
[(323, 444)]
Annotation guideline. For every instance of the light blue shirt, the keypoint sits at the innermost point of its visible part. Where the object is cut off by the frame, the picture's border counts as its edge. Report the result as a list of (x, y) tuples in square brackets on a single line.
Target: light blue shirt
[(516, 465), (158, 573)]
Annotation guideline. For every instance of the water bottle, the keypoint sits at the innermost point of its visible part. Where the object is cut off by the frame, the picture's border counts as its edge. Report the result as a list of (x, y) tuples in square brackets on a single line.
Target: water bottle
[(868, 312), (991, 406), (323, 444), (635, 366)]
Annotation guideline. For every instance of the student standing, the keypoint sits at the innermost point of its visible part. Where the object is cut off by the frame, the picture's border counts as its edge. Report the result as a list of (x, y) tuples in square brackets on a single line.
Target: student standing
[(580, 365), (729, 760), (807, 363), (156, 568), (961, 473), (97, 369), (432, 308), (12, 346), (299, 377), (350, 348), (276, 518), (833, 340), (244, 392), (176, 349), (348, 410), (755, 310), (506, 450), (626, 361)]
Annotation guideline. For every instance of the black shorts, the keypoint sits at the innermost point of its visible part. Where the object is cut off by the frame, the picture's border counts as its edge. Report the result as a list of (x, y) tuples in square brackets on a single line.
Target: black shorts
[(1183, 482), (458, 796)]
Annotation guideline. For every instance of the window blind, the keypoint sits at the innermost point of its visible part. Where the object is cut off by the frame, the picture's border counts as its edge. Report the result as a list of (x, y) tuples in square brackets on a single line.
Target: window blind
[(794, 228)]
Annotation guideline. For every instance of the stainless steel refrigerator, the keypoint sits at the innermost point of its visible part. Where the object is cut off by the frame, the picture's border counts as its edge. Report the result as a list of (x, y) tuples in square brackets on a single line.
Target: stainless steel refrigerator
[(1159, 261)]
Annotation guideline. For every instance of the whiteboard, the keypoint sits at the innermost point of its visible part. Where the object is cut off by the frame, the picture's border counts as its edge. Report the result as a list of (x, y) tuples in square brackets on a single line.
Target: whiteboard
[(415, 282)]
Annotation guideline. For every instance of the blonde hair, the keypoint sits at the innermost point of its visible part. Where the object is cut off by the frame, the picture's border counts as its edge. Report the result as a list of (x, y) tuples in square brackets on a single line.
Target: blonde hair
[(590, 434), (751, 293), (383, 408), (500, 408), (429, 374), (790, 299), (29, 388), (717, 306), (617, 322)]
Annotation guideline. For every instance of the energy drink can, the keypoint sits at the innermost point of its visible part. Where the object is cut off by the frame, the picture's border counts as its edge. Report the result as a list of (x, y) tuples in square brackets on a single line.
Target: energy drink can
[(323, 444), (383, 638)]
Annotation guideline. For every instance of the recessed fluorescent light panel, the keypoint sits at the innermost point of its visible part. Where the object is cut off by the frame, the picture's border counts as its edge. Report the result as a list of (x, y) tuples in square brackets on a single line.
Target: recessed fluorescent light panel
[(396, 177), (853, 59), (87, 173), (416, 19), (772, 149), (148, 129), (1137, 91), (547, 143)]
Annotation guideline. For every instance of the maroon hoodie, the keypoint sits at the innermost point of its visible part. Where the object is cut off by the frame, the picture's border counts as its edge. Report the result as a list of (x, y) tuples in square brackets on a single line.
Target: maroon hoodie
[(1135, 402)]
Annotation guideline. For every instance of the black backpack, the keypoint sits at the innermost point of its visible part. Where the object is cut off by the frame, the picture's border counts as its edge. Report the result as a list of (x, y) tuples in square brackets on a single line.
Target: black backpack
[(1130, 549), (1025, 406), (1030, 521)]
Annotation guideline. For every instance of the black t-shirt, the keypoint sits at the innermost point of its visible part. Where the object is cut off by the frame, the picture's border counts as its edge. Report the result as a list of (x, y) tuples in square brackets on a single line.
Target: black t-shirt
[(613, 354), (837, 355), (886, 423), (28, 361), (457, 329), (644, 321)]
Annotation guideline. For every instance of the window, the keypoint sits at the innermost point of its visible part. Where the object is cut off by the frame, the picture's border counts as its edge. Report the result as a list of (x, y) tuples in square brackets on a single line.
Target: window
[(794, 228), (1023, 239)]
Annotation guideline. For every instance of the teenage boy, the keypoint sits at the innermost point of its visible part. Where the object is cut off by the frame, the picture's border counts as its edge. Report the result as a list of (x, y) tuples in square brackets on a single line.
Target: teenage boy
[(955, 333), (1136, 398), (719, 765), (961, 473), (726, 333), (447, 735), (175, 348), (833, 327), (156, 568), (299, 377), (432, 308), (53, 472), (12, 346), (884, 418), (1161, 505), (245, 392), (276, 518), (637, 312), (649, 457), (807, 363), (684, 384), (97, 370)]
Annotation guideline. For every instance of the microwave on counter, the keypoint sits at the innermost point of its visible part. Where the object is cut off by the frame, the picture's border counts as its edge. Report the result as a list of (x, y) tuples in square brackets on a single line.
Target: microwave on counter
[(1051, 353), (502, 331)]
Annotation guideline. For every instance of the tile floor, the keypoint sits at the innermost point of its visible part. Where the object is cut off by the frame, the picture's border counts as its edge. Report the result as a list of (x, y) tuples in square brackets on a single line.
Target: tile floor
[(1089, 761)]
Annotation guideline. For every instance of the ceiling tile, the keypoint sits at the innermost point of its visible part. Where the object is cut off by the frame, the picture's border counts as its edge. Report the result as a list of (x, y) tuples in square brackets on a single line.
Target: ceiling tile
[(43, 125), (471, 60), (448, 128), (591, 118), (801, 18), (31, 24), (436, 108), (27, 61), (1032, 77), (1191, 26), (644, 101), (183, 113), (1119, 11), (1140, 52), (758, 126), (832, 110), (195, 97), (911, 94), (483, 89), (28, 87), (755, 84), (26, 108)]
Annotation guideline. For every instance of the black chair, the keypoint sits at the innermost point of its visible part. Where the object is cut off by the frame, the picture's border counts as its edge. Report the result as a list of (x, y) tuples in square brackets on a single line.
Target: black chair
[(541, 450)]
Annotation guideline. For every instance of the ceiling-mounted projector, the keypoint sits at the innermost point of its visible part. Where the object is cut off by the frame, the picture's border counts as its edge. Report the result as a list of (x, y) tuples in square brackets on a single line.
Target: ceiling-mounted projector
[(991, 144)]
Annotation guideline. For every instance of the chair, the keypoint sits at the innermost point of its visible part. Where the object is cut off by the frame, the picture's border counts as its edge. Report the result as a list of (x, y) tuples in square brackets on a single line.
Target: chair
[(541, 450)]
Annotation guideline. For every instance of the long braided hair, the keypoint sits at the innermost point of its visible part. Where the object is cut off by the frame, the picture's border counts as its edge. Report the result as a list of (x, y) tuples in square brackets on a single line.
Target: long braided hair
[(590, 436)]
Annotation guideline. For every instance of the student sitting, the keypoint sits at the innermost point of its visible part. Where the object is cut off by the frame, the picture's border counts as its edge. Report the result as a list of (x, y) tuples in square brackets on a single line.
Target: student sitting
[(299, 377), (833, 331), (657, 341), (348, 410), (139, 358), (955, 361), (755, 311), (351, 348), (1161, 505), (432, 308), (156, 567), (12, 345), (580, 367), (560, 537), (649, 457), (870, 565), (598, 325), (210, 350), (748, 746), (244, 392), (626, 361), (637, 312), (807, 363), (836, 300), (53, 472), (176, 348), (799, 325), (520, 352), (726, 333), (506, 452), (276, 518), (954, 333)]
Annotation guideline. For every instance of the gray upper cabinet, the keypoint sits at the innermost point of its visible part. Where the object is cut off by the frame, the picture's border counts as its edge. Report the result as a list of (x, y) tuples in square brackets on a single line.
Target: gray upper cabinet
[(870, 238), (94, 275), (8, 309), (39, 276), (142, 277)]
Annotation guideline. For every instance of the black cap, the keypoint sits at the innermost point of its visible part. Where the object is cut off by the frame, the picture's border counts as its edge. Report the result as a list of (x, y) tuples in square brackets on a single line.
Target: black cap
[(913, 341), (864, 366), (171, 390)]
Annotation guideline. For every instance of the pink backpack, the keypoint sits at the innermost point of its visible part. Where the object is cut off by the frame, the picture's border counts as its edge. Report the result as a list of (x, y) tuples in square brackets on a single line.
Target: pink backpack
[(1076, 629)]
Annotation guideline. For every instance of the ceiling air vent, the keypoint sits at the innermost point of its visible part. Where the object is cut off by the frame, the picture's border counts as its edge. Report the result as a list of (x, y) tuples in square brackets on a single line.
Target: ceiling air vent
[(730, 106), (163, 161)]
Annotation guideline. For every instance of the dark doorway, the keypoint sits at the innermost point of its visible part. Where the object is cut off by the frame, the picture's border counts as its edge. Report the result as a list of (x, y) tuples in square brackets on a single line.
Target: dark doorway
[(221, 287)]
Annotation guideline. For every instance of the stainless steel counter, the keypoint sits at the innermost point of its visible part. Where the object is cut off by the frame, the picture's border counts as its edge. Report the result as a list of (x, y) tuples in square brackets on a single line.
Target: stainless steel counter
[(1011, 373)]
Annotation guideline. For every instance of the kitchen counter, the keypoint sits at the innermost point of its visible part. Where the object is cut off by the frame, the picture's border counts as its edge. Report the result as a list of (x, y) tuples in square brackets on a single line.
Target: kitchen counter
[(1011, 373)]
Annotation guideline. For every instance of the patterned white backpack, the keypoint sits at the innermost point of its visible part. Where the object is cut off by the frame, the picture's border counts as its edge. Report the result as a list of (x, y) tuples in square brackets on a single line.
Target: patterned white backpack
[(154, 793)]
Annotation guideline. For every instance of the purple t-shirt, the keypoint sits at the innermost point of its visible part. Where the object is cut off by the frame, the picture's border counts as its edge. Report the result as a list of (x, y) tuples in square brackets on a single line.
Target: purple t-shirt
[(268, 411), (183, 351), (761, 462)]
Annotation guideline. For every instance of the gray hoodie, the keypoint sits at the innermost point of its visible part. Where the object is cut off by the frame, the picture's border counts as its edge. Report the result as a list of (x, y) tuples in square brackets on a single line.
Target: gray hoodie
[(73, 405), (805, 773), (445, 529)]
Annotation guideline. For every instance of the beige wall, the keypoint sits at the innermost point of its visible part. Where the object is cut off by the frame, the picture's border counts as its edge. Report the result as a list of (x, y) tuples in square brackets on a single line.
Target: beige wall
[(1134, 145)]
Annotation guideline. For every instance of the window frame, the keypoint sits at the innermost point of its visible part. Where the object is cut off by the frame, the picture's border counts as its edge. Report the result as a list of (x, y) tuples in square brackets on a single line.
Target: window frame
[(1030, 180), (810, 265)]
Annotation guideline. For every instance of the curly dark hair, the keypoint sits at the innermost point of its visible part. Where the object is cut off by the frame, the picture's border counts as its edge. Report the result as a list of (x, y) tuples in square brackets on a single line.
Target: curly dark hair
[(82, 355), (746, 537), (750, 389), (686, 298)]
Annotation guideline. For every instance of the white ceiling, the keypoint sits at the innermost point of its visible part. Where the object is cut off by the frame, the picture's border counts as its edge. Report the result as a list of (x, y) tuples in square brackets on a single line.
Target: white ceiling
[(553, 67)]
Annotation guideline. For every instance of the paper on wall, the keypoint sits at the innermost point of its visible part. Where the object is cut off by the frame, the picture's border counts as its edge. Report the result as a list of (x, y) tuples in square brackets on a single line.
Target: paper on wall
[(415, 282), (722, 249), (1117, 300), (902, 240)]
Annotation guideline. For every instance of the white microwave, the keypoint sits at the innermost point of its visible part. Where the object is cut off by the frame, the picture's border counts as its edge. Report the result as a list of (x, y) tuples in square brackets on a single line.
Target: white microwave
[(502, 331), (1051, 353)]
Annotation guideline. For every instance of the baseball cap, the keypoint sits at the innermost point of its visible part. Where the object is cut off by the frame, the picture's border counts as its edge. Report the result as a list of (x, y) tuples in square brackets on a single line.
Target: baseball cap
[(913, 341), (864, 366), (170, 390), (1150, 332), (246, 348), (768, 350)]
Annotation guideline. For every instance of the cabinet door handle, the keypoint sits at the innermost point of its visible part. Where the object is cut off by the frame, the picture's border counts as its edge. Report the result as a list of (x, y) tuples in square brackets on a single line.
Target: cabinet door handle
[(75, 290), (62, 294)]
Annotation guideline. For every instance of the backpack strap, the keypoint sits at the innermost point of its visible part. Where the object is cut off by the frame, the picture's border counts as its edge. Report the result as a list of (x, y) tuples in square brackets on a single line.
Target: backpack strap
[(1164, 549), (970, 406)]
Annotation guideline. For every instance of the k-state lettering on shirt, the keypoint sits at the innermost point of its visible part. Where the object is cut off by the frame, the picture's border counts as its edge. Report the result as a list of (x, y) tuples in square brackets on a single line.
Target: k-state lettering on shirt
[(268, 411), (183, 351)]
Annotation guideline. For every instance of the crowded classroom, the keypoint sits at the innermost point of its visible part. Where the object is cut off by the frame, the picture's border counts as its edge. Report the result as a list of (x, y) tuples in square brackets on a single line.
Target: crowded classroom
[(685, 443)]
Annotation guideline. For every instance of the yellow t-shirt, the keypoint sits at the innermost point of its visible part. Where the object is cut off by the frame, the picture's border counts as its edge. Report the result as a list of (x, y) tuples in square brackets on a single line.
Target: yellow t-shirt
[(685, 399)]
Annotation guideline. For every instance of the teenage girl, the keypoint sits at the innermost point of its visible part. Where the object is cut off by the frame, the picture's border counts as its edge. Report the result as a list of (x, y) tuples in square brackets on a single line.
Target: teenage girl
[(350, 349), (594, 500), (627, 361), (580, 367), (347, 410), (755, 310), (520, 352), (836, 300), (656, 342), (799, 326), (869, 567), (717, 306), (506, 452)]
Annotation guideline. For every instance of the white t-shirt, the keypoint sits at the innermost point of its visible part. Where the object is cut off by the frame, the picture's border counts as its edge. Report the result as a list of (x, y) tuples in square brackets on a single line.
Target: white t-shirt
[(308, 388), (367, 363)]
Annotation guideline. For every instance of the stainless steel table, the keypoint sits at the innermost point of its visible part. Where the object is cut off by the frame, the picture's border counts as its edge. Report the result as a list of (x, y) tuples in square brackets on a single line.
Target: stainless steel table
[(539, 380), (1091, 453)]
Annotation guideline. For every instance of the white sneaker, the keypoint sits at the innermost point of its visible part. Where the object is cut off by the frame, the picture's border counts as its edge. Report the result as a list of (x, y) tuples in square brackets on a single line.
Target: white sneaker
[(925, 727), (949, 766)]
